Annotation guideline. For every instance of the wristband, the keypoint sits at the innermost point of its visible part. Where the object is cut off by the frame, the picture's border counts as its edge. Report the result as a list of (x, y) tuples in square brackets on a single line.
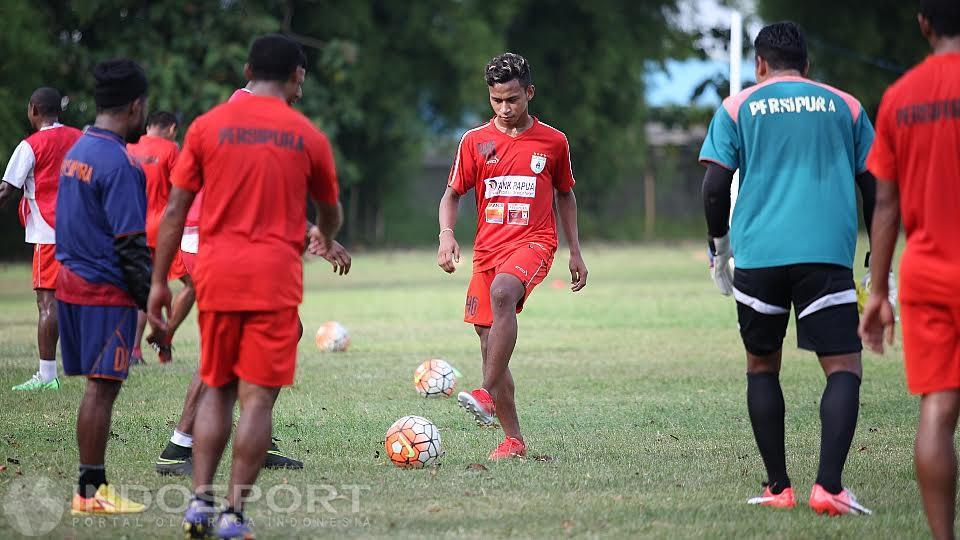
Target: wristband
[(445, 230)]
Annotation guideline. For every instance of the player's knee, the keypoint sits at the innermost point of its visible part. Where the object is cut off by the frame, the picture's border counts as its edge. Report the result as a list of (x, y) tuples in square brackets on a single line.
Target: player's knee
[(502, 298)]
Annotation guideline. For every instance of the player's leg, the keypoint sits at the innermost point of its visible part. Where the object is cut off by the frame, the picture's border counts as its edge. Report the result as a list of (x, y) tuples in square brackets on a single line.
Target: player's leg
[(93, 430), (506, 292), (763, 310), (47, 333), (97, 344), (182, 304), (477, 311), (177, 456), (936, 460), (136, 356), (839, 408), (931, 349), (825, 301), (45, 270), (266, 361), (252, 439)]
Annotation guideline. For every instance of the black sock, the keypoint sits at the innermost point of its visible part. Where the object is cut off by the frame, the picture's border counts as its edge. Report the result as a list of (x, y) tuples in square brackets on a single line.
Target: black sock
[(91, 478), (234, 511), (838, 418), (765, 403)]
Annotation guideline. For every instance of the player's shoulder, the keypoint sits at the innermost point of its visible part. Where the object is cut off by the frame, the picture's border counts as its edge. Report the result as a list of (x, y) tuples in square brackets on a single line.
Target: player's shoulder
[(551, 132), (916, 80)]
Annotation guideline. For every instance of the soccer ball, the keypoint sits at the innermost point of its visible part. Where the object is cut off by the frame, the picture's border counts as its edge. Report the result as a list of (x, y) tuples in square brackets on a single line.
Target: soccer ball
[(435, 378), (332, 337), (413, 442)]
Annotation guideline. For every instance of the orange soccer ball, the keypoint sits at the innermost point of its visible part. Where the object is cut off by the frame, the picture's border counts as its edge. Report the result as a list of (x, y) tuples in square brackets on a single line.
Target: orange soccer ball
[(413, 442), (435, 378), (332, 337)]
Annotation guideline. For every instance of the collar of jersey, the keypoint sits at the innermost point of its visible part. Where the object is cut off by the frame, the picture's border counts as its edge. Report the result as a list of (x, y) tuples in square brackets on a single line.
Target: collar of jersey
[(493, 126), (51, 126), (94, 131)]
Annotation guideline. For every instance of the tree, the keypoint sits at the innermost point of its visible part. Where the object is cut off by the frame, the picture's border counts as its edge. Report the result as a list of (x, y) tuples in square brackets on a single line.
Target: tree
[(859, 50)]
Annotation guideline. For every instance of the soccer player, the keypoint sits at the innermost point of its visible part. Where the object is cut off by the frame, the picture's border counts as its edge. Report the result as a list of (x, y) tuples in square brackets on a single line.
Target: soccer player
[(177, 456), (33, 172), (248, 273), (105, 277), (156, 152), (800, 147), (519, 167), (916, 159)]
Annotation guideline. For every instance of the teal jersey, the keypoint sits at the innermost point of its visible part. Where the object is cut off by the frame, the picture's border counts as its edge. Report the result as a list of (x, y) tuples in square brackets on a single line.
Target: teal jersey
[(798, 145)]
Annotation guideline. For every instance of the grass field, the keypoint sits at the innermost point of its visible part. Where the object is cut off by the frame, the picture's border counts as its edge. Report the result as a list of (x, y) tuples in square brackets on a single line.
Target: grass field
[(632, 393)]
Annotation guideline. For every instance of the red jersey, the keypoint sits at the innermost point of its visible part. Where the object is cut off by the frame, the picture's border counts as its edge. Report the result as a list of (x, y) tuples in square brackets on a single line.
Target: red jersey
[(256, 161), (34, 167), (514, 179), (918, 146), (156, 157), (193, 217)]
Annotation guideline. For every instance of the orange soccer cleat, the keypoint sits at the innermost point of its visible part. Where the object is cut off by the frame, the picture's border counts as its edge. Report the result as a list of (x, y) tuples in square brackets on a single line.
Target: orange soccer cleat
[(480, 404), (509, 448), (843, 503), (784, 499)]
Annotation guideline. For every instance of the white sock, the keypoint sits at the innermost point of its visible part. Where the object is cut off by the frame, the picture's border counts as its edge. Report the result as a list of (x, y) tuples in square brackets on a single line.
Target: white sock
[(48, 370), (181, 439)]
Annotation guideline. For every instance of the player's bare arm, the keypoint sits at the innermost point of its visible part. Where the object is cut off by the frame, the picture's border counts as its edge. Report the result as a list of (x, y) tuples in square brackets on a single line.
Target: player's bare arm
[(329, 219), (877, 321), (567, 208), (448, 253), (168, 242), (8, 192)]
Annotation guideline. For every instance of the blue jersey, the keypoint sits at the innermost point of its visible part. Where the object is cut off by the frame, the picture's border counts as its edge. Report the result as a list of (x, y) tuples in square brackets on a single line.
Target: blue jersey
[(799, 145), (102, 196)]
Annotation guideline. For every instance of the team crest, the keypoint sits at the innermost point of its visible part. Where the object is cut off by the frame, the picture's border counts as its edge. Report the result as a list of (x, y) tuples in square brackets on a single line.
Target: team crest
[(537, 163)]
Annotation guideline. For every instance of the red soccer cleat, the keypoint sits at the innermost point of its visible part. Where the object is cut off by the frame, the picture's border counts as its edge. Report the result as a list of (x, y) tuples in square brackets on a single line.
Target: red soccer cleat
[(509, 448), (784, 499), (843, 503), (480, 404)]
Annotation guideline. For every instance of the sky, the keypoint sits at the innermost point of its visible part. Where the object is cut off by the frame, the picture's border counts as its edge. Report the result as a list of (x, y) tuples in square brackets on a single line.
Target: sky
[(675, 84)]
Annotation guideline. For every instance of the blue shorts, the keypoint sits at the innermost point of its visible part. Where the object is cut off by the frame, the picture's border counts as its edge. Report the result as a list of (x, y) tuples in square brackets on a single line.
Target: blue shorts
[(95, 341)]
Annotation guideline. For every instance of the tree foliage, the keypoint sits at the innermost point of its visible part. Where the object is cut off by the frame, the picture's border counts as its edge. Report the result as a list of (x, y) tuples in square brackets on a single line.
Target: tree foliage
[(385, 78), (860, 49)]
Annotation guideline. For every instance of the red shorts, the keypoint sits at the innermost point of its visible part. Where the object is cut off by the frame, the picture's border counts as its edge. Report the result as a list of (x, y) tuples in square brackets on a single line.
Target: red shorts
[(45, 266), (189, 260), (259, 347), (177, 267), (931, 347), (530, 264)]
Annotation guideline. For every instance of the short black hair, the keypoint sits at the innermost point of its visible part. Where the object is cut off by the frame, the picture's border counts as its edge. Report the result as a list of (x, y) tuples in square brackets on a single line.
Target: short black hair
[(274, 57), (507, 67), (944, 16), (162, 119), (783, 46), (47, 101)]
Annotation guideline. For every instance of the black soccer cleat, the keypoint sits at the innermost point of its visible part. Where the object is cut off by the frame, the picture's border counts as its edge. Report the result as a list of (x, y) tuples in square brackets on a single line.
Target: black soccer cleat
[(175, 460), (276, 460)]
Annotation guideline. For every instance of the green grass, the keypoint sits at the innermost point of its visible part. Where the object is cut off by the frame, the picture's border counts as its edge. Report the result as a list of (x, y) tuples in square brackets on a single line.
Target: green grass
[(634, 389)]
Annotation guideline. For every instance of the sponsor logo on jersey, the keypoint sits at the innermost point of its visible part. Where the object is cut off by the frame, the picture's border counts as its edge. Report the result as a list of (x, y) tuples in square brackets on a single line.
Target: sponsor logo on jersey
[(494, 212), (537, 163), (511, 186), (518, 214)]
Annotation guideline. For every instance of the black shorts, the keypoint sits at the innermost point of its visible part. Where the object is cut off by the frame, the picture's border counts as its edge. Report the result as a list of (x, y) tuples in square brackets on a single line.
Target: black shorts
[(824, 300)]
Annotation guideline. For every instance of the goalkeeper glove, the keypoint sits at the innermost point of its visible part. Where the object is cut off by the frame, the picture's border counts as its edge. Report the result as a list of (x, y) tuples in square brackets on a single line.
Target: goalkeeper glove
[(721, 267)]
